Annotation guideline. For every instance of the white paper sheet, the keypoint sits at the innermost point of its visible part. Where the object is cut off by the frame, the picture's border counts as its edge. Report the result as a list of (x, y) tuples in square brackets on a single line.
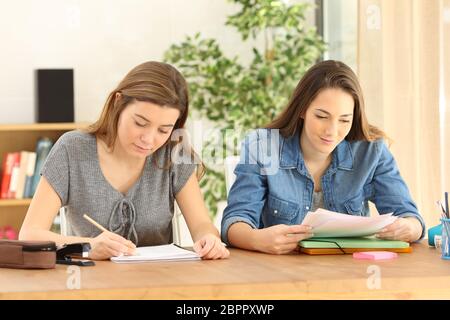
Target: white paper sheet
[(169, 252), (333, 224)]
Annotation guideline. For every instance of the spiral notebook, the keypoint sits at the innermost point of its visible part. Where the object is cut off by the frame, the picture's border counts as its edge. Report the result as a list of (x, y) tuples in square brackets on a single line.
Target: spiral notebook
[(168, 252)]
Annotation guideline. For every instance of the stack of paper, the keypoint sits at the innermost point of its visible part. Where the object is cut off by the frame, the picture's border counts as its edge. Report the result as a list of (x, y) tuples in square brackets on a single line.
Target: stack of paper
[(168, 252), (332, 224)]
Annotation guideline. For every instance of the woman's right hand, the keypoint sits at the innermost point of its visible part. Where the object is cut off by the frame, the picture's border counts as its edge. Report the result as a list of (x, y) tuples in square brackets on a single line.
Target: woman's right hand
[(109, 244), (281, 238)]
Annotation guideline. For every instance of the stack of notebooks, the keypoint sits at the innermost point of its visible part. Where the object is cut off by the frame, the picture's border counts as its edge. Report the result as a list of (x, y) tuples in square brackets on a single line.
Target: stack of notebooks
[(316, 246), (337, 233)]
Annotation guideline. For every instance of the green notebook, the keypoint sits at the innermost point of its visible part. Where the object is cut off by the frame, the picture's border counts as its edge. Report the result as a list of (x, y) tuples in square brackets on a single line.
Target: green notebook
[(351, 243)]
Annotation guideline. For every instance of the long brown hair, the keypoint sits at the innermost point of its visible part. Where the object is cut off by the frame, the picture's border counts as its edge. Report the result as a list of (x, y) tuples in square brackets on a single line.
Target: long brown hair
[(323, 75), (155, 82)]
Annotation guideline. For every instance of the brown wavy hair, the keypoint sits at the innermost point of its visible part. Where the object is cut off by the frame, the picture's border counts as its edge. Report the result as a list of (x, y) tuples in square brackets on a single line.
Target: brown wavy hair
[(155, 82), (323, 75)]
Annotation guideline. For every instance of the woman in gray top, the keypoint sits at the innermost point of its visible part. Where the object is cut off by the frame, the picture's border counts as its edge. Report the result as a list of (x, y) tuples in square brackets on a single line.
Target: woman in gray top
[(125, 171)]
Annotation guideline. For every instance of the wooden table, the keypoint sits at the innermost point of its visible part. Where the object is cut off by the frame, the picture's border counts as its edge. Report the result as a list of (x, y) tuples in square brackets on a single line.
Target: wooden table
[(245, 275)]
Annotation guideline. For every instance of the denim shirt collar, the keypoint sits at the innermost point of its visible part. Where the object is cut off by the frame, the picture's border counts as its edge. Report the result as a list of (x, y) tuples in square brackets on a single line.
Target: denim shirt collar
[(291, 156)]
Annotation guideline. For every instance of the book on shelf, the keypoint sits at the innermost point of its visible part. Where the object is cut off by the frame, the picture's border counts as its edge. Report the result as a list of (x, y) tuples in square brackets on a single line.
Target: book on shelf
[(11, 194), (21, 171), (43, 147), (21, 174), (29, 175), (8, 161), (15, 174)]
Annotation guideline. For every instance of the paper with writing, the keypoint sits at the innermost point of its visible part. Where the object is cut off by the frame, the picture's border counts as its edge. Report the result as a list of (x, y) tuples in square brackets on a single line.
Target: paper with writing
[(168, 252), (333, 224)]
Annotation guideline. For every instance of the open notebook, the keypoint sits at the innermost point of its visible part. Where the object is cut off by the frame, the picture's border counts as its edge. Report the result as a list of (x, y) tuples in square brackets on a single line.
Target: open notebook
[(168, 252)]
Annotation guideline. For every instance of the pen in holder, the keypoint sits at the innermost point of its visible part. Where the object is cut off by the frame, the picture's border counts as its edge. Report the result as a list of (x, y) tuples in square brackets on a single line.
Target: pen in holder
[(445, 246)]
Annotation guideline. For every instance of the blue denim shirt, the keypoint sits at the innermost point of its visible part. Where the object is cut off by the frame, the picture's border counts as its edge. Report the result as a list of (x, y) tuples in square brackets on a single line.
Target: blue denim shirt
[(273, 185)]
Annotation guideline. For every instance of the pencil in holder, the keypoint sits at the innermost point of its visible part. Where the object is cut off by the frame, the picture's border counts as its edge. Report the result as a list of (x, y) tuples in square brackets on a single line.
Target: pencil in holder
[(445, 245)]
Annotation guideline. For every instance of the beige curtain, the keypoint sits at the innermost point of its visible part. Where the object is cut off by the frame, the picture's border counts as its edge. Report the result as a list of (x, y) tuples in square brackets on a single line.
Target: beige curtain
[(403, 65)]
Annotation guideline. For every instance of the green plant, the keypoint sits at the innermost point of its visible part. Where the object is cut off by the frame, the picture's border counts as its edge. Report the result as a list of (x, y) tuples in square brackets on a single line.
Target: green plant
[(238, 98)]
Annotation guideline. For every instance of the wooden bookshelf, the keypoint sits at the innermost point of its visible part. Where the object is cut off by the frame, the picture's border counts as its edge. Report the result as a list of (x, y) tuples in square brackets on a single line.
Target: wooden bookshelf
[(23, 137), (14, 202)]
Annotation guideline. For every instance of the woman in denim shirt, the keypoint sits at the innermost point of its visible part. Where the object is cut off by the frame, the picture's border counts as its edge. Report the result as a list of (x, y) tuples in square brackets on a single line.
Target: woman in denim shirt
[(320, 152)]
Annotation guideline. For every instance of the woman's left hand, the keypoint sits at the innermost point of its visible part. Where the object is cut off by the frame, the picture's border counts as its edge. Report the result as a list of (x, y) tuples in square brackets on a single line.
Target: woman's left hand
[(403, 229), (210, 247)]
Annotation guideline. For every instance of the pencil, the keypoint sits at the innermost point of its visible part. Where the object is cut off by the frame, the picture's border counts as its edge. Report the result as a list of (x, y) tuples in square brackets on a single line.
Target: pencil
[(95, 223), (98, 225), (439, 203), (447, 212)]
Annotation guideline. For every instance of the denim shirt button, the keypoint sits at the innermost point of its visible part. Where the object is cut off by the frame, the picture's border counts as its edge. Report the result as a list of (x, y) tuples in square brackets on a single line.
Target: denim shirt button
[(307, 208), (275, 211)]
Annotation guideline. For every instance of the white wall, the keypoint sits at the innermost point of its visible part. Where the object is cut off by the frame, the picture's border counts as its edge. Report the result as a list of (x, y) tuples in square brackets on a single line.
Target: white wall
[(102, 40), (340, 30)]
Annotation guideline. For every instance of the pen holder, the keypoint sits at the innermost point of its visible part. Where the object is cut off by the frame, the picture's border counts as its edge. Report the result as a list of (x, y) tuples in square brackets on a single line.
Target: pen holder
[(445, 239), (432, 233)]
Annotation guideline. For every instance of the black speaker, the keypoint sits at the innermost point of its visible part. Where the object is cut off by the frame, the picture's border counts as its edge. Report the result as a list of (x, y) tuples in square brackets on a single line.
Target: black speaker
[(54, 95)]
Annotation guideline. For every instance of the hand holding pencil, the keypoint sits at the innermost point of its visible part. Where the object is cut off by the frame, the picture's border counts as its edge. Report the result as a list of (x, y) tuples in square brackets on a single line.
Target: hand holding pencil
[(108, 244)]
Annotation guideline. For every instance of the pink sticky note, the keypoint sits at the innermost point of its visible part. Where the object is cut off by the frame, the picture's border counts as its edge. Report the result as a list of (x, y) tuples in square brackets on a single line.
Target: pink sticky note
[(375, 255)]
